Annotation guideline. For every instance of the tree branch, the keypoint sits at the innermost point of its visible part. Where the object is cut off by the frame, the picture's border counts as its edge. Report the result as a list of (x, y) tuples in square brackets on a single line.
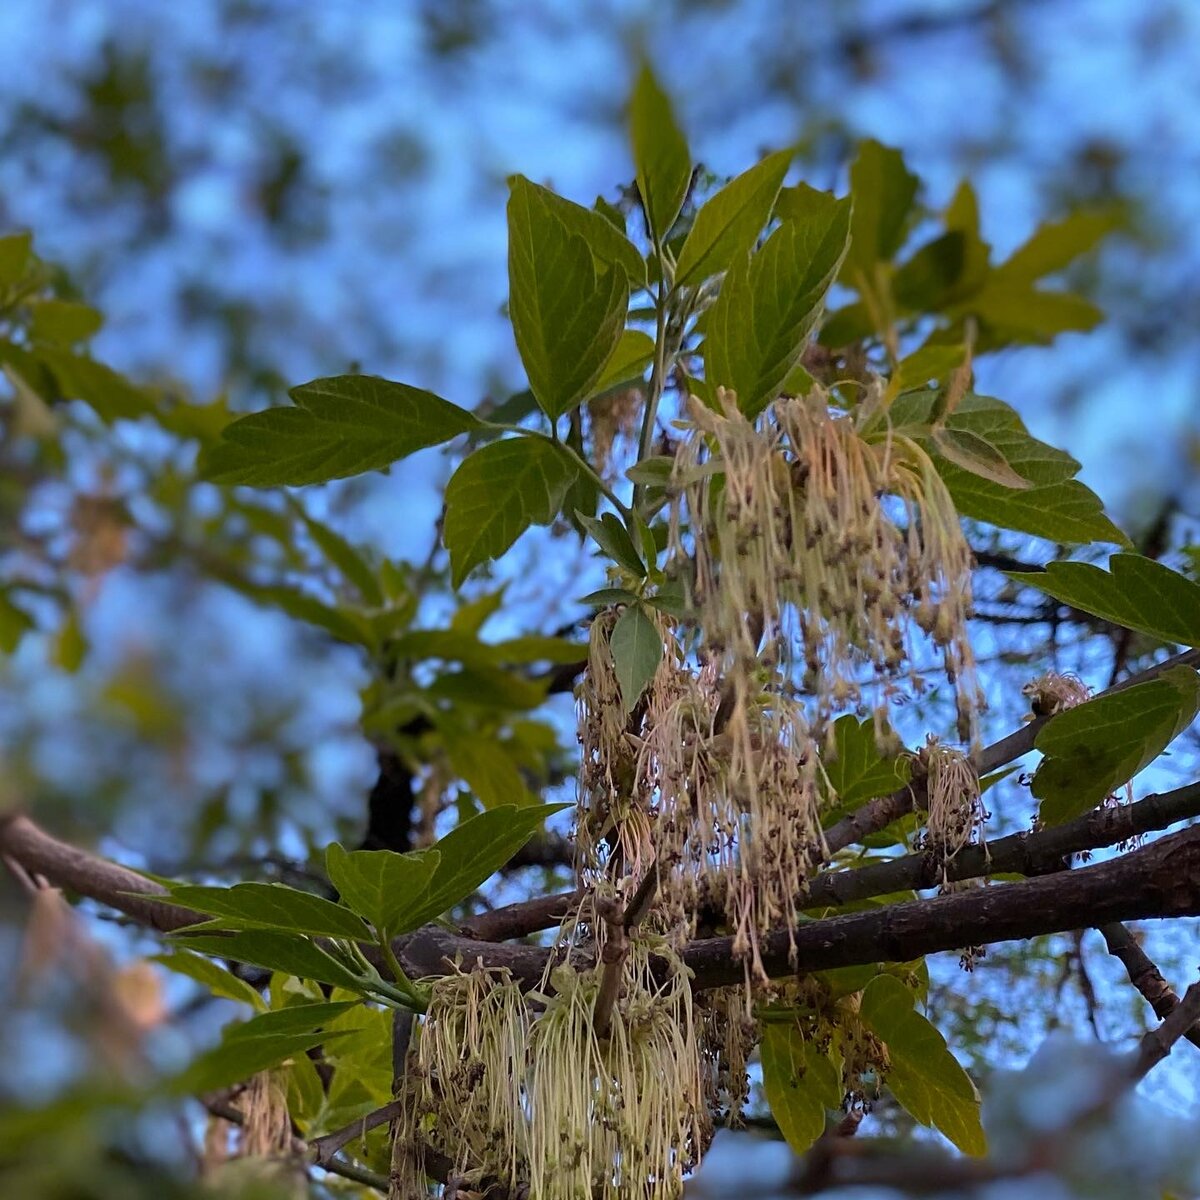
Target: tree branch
[(1144, 974), (878, 814), (1028, 854)]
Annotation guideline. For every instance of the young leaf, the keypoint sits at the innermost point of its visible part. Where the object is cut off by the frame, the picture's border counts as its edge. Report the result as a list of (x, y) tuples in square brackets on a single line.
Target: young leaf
[(859, 772), (345, 624), (1093, 749), (290, 953), (634, 353), (567, 319), (801, 1082), (234, 1061), (1139, 594), (660, 155), (488, 769), (257, 1045), (604, 597), (474, 851), (978, 456), (211, 975), (15, 623), (487, 687), (613, 538), (883, 190), (1057, 244), (1057, 507), (1018, 308), (381, 885), (111, 395), (729, 224), (497, 493), (761, 320), (637, 649), (16, 250), (341, 426), (346, 558), (607, 242), (269, 906), (63, 322), (923, 1075)]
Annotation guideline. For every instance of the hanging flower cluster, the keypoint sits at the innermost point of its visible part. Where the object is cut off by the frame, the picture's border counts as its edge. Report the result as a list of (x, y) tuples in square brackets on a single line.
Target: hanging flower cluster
[(825, 551), (816, 558), (538, 1100)]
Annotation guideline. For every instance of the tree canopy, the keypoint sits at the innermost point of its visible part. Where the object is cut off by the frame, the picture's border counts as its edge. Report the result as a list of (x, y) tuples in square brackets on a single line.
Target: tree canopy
[(688, 844)]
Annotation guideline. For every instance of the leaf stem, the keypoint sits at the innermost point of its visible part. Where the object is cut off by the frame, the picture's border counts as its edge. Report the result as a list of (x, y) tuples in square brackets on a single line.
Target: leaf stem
[(654, 390)]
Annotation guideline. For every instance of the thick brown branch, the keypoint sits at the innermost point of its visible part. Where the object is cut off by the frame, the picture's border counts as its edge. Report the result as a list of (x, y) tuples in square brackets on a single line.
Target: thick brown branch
[(1161, 880), (1028, 854), (76, 870)]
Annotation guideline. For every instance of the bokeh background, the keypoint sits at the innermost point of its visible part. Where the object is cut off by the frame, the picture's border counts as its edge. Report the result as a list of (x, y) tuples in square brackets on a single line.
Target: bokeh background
[(258, 192)]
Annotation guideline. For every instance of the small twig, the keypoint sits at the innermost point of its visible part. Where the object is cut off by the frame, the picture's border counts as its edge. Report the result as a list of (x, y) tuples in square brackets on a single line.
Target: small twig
[(1144, 974), (220, 1106), (1157, 1043), (616, 948), (323, 1149)]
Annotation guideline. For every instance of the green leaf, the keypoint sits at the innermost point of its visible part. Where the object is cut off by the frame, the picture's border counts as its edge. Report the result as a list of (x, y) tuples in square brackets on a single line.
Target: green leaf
[(257, 1045), (660, 154), (634, 353), (269, 906), (883, 190), (346, 558), (346, 625), (16, 251), (924, 1076), (768, 304), (1094, 748), (801, 1083), (381, 885), (488, 769), (471, 616), (654, 471), (211, 975), (978, 456), (487, 687), (859, 772), (70, 644), (112, 396), (289, 953), (803, 203), (344, 425), (637, 649), (1057, 507), (613, 538), (567, 319), (604, 597), (729, 223), (475, 850), (935, 271), (1057, 244), (14, 623), (63, 322), (497, 493), (607, 242), (1018, 308), (1139, 594), (930, 362)]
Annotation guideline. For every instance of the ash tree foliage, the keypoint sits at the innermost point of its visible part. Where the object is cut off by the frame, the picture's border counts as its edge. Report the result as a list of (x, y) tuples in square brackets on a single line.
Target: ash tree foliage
[(754, 402)]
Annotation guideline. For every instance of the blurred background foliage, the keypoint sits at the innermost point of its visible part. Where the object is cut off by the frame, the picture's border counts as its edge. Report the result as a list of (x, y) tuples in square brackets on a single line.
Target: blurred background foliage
[(258, 192)]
